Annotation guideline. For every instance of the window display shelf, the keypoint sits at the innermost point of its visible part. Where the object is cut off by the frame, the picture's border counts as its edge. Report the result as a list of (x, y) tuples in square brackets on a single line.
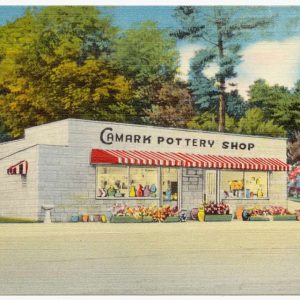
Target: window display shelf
[(127, 198), (250, 199)]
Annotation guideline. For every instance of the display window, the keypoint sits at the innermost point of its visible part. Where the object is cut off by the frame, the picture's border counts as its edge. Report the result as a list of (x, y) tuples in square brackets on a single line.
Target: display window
[(244, 185), (143, 182), (124, 182), (232, 184), (256, 185), (169, 180), (112, 181)]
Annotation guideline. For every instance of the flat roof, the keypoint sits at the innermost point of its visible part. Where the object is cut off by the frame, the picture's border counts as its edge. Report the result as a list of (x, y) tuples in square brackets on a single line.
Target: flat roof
[(152, 126)]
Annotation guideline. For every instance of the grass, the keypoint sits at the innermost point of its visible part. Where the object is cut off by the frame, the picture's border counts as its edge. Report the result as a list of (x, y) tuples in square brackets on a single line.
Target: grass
[(17, 220)]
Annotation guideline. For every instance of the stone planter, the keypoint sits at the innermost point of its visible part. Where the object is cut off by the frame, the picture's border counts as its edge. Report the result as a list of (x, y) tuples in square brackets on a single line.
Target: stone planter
[(172, 219), (125, 219), (147, 219), (218, 218), (285, 218), (259, 218)]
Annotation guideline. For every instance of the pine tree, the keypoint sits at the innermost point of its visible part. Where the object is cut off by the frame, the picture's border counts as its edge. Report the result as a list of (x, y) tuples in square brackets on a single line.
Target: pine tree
[(220, 30)]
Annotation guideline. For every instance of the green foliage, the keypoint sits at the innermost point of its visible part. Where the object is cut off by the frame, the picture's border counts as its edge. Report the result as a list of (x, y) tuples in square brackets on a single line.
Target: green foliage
[(277, 103), (209, 122), (253, 123), (172, 106), (296, 88), (236, 106), (294, 149), (219, 29), (55, 65), (4, 135), (148, 57)]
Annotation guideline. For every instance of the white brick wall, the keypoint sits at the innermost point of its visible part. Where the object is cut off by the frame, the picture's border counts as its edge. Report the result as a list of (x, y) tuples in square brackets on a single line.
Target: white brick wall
[(18, 194), (60, 173)]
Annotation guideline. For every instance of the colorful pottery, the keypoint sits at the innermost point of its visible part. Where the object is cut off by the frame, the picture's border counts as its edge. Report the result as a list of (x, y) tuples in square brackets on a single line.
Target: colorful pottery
[(140, 191), (239, 213), (168, 195), (201, 214), (153, 188), (111, 191), (146, 191), (132, 191), (118, 194), (85, 218)]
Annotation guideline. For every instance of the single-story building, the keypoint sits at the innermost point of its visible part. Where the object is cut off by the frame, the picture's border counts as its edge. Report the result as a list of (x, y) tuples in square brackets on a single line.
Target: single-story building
[(83, 166)]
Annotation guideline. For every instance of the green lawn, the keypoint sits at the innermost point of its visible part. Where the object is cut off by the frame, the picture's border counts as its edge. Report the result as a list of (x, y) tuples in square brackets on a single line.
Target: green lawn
[(17, 220)]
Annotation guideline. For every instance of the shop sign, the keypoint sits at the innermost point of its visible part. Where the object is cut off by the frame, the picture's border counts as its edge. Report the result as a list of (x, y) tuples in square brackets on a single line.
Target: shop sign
[(109, 137)]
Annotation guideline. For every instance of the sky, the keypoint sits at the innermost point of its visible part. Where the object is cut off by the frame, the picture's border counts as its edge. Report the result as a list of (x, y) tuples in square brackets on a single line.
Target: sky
[(275, 56)]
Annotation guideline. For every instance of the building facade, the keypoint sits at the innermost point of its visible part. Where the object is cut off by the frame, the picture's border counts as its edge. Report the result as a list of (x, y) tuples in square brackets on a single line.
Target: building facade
[(82, 166)]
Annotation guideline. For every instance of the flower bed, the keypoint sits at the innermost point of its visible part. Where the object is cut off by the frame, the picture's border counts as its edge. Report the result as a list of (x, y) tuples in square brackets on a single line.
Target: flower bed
[(216, 208), (147, 219), (277, 213), (144, 214), (217, 212)]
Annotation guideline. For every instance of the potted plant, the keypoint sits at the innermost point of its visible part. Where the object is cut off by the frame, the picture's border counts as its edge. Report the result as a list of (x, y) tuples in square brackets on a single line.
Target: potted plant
[(217, 212)]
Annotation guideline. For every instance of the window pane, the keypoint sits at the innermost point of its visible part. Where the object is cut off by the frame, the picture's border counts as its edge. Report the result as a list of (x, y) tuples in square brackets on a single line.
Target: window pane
[(256, 184), (232, 184), (143, 182), (169, 185), (112, 181)]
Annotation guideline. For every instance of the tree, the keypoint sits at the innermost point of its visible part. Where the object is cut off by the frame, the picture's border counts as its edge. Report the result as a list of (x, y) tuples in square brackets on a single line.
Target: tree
[(4, 135), (296, 88), (253, 123), (236, 106), (172, 106), (294, 149), (277, 103), (206, 94), (209, 121), (148, 57), (219, 29), (56, 64)]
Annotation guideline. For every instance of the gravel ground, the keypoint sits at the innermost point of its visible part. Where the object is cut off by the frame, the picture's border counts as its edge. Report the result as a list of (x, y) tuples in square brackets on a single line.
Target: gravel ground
[(179, 258)]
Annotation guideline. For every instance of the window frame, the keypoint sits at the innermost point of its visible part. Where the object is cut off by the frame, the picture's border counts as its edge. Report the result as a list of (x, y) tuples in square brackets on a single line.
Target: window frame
[(244, 189), (128, 167)]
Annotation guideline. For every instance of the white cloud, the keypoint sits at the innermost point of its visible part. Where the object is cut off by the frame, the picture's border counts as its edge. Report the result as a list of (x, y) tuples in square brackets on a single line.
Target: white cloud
[(276, 62), (186, 53)]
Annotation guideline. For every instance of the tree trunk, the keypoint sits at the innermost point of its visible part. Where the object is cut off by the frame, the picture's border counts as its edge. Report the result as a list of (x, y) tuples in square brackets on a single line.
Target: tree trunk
[(221, 125)]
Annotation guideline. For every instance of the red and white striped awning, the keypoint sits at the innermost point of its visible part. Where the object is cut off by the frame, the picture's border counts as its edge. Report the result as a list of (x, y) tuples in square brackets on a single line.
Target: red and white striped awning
[(172, 159), (19, 168)]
